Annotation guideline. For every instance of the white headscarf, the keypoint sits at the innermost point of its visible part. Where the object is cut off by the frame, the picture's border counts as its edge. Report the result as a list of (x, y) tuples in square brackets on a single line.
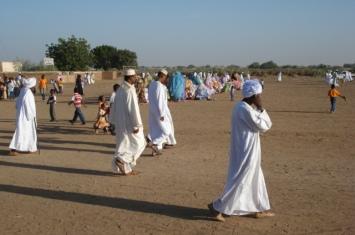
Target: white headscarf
[(251, 87), (29, 82)]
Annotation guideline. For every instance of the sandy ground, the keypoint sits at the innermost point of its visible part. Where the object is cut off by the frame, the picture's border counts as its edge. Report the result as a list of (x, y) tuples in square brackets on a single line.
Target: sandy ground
[(308, 162)]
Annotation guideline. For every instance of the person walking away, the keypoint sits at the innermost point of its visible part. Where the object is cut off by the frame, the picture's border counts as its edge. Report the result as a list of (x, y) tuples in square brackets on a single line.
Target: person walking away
[(79, 85), (52, 100), (24, 139)]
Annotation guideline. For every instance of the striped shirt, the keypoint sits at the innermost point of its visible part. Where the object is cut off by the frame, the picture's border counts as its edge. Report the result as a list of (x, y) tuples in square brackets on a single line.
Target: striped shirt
[(77, 100)]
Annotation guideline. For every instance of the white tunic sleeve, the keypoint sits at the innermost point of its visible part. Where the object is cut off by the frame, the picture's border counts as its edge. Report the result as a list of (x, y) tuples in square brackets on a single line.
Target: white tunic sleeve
[(258, 121), (134, 113)]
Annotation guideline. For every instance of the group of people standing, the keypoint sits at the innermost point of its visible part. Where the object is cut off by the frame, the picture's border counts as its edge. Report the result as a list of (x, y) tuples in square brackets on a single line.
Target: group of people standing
[(245, 191)]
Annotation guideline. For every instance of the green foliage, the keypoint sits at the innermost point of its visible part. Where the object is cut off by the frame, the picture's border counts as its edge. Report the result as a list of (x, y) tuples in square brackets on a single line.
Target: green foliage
[(269, 65), (126, 58), (108, 57), (105, 57), (254, 65), (70, 54)]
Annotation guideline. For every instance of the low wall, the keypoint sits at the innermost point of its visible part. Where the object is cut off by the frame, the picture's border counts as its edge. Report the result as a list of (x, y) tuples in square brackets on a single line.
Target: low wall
[(68, 77)]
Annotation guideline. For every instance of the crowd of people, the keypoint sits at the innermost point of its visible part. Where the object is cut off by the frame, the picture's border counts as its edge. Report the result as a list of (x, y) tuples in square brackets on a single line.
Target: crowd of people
[(245, 191), (193, 86)]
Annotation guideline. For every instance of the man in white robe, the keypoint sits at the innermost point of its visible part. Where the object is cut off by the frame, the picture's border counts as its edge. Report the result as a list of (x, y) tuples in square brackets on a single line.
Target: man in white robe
[(161, 127), (125, 115), (245, 191), (24, 139)]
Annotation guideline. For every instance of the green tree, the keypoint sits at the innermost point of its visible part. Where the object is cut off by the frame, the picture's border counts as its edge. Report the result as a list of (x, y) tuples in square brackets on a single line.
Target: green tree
[(70, 54), (105, 57), (254, 65), (269, 65), (126, 58)]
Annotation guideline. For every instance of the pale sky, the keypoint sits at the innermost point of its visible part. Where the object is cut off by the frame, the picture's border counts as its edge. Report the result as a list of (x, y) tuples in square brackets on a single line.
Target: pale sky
[(183, 32)]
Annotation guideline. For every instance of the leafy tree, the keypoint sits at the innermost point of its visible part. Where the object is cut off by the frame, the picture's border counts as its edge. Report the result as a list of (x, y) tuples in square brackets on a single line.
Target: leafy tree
[(70, 54), (254, 65), (126, 58), (269, 65), (105, 57)]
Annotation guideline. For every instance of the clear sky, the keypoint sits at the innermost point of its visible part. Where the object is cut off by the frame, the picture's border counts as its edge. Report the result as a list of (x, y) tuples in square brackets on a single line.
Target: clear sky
[(183, 32)]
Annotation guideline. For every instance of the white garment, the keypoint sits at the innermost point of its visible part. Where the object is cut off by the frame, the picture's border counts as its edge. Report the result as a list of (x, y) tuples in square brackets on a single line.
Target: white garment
[(245, 191), (279, 77), (25, 136), (160, 132), (112, 98), (126, 117)]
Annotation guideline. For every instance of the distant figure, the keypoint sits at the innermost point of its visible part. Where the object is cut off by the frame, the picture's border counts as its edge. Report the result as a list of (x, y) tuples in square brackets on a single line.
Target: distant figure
[(52, 100), (235, 86), (77, 100), (60, 84), (79, 84), (25, 137), (125, 115), (161, 127), (245, 191), (42, 85), (101, 119), (11, 88), (111, 103), (333, 93), (279, 77)]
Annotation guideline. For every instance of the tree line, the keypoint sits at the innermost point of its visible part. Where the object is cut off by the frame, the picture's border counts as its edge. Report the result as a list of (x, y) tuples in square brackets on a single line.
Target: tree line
[(75, 54)]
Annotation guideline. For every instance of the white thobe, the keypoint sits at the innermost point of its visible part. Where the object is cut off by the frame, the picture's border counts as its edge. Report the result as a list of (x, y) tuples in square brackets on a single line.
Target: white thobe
[(245, 191), (160, 132), (25, 136), (126, 117)]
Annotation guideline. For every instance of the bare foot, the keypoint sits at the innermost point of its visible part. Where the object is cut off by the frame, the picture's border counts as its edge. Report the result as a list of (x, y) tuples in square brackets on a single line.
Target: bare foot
[(216, 214), (12, 153), (156, 151)]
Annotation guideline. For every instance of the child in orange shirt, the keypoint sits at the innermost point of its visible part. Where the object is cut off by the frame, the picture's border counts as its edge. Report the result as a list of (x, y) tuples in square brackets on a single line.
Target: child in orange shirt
[(333, 93), (43, 86)]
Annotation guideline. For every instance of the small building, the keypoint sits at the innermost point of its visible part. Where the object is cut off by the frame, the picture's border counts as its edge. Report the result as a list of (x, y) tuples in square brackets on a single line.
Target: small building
[(10, 66)]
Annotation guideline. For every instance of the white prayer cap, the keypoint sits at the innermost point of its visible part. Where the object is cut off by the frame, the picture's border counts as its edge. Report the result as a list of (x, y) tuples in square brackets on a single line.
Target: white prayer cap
[(251, 87), (164, 71), (130, 72), (29, 82)]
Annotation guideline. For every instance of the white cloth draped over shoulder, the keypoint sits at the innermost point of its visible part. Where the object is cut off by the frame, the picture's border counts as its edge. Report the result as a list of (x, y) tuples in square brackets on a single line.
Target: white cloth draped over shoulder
[(160, 132), (126, 117), (245, 191), (25, 136)]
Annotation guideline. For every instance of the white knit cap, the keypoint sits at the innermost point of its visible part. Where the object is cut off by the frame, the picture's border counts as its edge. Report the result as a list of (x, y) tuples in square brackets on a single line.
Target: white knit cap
[(252, 87), (164, 71), (130, 72)]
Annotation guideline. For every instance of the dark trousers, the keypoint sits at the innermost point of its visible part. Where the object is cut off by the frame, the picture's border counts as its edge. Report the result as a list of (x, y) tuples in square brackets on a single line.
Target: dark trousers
[(52, 112), (332, 104), (43, 93), (79, 114)]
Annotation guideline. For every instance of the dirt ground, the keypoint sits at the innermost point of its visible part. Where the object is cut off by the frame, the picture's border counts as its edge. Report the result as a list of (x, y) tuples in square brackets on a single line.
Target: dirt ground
[(308, 162)]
